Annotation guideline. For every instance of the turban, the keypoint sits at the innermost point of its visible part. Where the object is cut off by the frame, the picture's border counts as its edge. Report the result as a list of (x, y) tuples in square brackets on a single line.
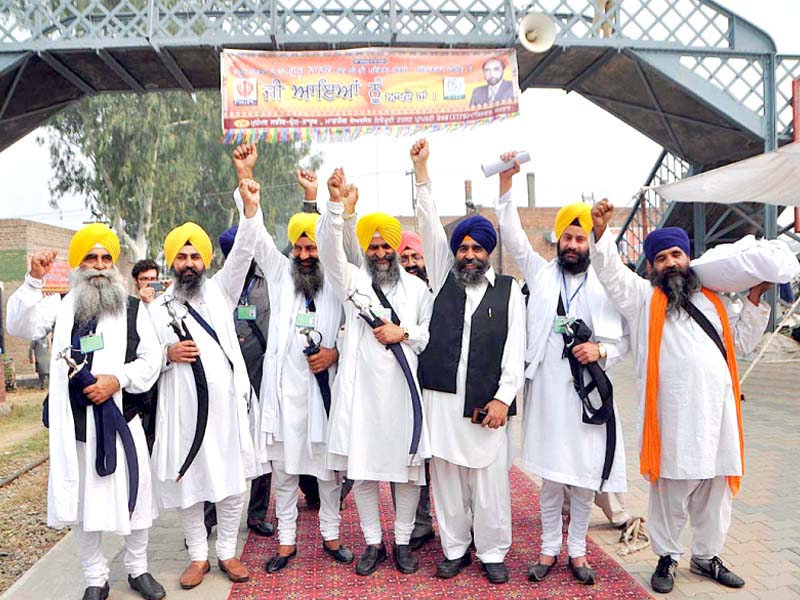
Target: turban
[(479, 229), (663, 239), (381, 224), (568, 214), (302, 224), (226, 239), (188, 233), (90, 236), (410, 240)]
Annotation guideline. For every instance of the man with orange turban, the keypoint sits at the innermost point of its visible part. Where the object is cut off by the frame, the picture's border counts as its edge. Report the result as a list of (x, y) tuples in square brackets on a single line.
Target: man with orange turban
[(376, 429), (120, 350), (471, 372), (204, 449), (560, 438), (684, 340)]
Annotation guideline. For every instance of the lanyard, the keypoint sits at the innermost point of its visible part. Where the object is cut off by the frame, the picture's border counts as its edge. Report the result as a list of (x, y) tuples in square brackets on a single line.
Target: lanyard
[(245, 297), (568, 299)]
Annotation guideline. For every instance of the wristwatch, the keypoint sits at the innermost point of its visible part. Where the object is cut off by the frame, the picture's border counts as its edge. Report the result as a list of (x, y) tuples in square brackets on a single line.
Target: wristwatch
[(405, 334), (602, 350)]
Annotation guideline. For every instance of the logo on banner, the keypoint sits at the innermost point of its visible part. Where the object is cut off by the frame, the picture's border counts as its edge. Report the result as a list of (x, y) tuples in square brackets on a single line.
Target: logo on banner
[(245, 92), (455, 88)]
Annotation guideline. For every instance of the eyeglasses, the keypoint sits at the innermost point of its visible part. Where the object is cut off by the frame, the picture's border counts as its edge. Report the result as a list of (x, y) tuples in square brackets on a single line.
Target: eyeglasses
[(146, 279), (405, 259)]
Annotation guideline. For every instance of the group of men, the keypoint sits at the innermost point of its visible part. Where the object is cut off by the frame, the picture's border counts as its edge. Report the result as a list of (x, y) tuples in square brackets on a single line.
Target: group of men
[(370, 353)]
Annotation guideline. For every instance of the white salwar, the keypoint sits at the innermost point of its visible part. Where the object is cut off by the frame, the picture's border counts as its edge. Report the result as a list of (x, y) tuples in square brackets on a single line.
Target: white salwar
[(77, 496), (696, 408), (293, 419), (226, 457), (371, 421), (469, 469)]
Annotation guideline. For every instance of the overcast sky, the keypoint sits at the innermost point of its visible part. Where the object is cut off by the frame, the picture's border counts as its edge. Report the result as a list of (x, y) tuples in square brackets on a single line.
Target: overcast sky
[(575, 148)]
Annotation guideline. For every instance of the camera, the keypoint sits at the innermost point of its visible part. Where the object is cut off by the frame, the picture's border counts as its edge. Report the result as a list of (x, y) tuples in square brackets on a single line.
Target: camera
[(158, 286)]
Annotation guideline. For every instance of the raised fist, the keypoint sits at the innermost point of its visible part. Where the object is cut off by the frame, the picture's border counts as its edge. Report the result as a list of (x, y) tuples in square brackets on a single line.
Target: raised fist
[(250, 191), (350, 198), (507, 175), (41, 262), (336, 185), (602, 212), (308, 181), (244, 160), (420, 151)]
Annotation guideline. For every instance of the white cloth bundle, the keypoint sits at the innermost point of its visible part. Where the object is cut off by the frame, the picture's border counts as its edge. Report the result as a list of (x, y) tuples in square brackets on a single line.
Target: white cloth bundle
[(741, 265)]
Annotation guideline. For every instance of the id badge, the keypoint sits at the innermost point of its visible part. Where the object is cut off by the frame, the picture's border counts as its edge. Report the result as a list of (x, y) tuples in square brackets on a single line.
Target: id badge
[(306, 320), (562, 323), (246, 312), (91, 343), (382, 312)]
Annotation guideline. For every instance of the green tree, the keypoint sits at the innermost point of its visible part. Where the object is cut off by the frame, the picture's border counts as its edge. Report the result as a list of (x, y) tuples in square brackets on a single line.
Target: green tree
[(148, 163)]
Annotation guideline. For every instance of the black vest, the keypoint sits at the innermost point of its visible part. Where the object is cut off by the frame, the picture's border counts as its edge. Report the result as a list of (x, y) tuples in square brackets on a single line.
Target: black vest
[(489, 329)]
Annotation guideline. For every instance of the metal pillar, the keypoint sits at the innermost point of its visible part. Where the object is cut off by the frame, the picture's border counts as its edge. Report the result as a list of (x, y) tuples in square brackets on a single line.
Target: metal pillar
[(699, 227), (770, 143)]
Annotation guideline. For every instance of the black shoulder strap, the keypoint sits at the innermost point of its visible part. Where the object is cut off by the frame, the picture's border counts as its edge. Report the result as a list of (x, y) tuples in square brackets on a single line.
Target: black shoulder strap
[(132, 343), (385, 302), (706, 326)]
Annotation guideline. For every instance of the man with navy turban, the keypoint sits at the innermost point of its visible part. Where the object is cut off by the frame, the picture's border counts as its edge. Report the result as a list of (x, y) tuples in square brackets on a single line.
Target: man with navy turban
[(470, 373)]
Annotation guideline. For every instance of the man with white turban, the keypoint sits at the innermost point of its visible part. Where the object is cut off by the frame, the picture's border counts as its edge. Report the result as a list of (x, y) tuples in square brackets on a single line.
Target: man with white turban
[(575, 448), (99, 465), (203, 449), (471, 372), (376, 428)]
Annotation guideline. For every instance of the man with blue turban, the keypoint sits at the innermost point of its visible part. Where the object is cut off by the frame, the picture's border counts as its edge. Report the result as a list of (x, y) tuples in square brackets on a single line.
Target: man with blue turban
[(470, 372)]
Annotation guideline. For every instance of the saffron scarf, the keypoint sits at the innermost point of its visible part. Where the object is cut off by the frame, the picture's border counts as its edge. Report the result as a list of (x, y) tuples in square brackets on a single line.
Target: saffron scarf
[(650, 457)]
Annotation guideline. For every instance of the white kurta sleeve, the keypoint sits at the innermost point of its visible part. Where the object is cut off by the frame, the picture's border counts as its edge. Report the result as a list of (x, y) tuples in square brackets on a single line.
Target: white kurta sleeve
[(139, 375), (352, 249), (626, 290), (231, 276), (436, 249), (616, 350), (749, 325), (418, 334), (512, 367), (515, 241), (270, 260), (338, 272), (30, 314)]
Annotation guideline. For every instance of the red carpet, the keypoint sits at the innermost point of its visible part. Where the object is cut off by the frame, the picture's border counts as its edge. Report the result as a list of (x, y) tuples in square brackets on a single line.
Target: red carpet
[(313, 574)]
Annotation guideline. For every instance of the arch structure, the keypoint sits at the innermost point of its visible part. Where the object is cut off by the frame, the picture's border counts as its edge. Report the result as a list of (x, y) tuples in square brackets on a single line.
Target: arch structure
[(703, 83)]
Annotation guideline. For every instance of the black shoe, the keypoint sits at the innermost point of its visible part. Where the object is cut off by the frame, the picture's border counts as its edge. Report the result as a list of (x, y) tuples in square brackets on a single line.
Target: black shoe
[(369, 561), (341, 554), (539, 571), (147, 586), (406, 562), (96, 593), (278, 563), (664, 576), (584, 575), (495, 572), (418, 542), (262, 528), (714, 569), (450, 568)]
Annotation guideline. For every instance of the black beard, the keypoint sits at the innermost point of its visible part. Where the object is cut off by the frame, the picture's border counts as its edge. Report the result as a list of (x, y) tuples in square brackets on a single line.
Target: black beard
[(420, 272), (383, 274), (678, 284), (574, 266), (97, 294), (308, 278), (466, 277), (188, 282)]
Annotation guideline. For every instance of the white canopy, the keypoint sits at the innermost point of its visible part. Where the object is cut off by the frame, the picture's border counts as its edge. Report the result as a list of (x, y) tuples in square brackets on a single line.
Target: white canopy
[(770, 178)]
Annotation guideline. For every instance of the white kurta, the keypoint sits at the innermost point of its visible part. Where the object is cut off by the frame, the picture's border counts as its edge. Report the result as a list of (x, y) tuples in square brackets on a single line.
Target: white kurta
[(226, 457), (371, 419), (455, 438), (696, 410), (556, 443), (293, 424), (98, 503)]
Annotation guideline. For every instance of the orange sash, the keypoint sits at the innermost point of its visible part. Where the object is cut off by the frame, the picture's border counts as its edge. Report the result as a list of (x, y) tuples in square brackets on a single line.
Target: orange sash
[(650, 457)]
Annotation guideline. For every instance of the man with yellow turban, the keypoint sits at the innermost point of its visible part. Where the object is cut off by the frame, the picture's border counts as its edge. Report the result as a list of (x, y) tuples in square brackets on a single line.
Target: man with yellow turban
[(560, 441), (299, 370), (471, 372), (376, 428), (92, 489), (204, 449)]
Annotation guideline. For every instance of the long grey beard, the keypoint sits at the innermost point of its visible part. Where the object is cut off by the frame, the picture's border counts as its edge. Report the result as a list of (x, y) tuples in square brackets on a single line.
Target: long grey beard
[(678, 285), (383, 274), (97, 293), (307, 280), (466, 277), (187, 289)]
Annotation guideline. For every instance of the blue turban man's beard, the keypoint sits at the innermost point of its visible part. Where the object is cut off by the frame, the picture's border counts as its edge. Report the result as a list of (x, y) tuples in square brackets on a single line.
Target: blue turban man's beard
[(465, 276), (678, 284)]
